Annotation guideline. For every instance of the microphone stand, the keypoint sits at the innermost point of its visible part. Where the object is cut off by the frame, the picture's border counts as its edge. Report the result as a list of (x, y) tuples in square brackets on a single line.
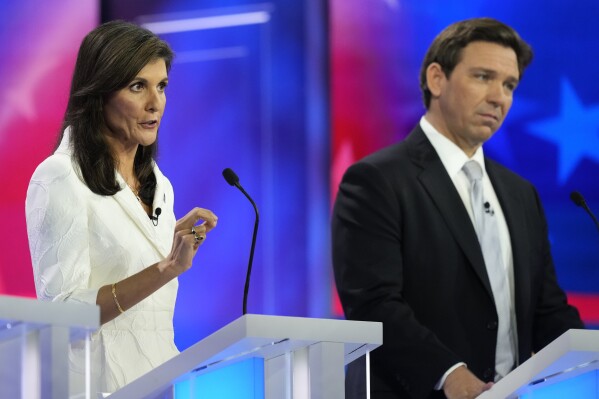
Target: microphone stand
[(233, 180), (249, 271)]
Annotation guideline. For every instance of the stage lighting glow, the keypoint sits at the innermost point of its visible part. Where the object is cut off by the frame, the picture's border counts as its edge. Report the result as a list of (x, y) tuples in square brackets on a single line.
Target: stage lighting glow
[(212, 22)]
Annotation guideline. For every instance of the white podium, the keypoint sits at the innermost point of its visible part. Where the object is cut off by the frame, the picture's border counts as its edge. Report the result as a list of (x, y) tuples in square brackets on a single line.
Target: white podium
[(34, 346), (566, 368), (300, 358)]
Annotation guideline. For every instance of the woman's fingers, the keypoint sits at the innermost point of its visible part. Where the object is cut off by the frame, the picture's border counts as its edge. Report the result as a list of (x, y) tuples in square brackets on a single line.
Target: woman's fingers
[(189, 236), (208, 218), (199, 233)]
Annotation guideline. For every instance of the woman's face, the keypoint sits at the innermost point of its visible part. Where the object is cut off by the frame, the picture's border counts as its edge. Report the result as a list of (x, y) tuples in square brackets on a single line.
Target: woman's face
[(133, 113)]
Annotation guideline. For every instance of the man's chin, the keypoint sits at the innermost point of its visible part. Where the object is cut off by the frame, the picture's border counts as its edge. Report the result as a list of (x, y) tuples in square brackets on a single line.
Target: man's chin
[(487, 131)]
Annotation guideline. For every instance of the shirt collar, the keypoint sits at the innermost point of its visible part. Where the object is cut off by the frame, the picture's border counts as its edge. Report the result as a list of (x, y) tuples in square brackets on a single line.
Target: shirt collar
[(452, 156), (65, 144)]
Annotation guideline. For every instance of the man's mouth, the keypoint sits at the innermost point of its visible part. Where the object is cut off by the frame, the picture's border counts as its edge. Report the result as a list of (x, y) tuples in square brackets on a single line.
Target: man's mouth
[(490, 116)]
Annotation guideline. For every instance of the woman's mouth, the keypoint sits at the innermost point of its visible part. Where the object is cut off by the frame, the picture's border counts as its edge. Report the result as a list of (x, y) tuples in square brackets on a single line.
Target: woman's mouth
[(151, 124)]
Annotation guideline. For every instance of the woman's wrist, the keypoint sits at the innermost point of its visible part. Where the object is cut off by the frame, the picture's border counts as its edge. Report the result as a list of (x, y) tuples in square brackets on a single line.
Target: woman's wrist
[(167, 268)]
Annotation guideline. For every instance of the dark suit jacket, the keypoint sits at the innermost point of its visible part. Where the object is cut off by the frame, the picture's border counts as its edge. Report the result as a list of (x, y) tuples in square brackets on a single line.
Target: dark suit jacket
[(405, 253)]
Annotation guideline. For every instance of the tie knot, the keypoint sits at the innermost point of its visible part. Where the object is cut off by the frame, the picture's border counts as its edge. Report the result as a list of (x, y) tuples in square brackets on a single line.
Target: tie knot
[(473, 171)]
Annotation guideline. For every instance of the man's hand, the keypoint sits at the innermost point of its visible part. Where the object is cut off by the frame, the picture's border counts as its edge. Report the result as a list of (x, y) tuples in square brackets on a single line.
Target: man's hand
[(462, 384)]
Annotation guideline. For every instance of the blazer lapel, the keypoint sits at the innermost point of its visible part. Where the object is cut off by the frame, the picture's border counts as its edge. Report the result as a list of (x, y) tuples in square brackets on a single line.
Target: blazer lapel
[(133, 209), (159, 237), (437, 183), (165, 230)]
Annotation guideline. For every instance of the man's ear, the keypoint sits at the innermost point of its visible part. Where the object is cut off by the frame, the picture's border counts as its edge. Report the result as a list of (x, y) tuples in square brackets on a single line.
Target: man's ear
[(435, 79)]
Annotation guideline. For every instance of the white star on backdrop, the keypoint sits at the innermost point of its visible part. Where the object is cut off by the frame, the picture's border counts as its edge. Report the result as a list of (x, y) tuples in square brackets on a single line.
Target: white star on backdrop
[(575, 131)]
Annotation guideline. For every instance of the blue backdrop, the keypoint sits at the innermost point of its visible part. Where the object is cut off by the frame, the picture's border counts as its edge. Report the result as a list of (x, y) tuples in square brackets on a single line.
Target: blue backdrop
[(245, 93), (252, 88), (550, 137)]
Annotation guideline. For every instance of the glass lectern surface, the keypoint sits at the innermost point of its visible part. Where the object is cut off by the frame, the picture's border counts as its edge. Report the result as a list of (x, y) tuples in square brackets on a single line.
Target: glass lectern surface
[(35, 342)]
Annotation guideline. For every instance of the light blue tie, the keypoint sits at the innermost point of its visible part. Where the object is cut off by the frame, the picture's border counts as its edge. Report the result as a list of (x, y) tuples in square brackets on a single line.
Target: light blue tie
[(485, 223)]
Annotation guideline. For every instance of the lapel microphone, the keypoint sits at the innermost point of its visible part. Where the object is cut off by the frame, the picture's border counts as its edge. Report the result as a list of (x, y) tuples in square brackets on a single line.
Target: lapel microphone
[(233, 180), (154, 219)]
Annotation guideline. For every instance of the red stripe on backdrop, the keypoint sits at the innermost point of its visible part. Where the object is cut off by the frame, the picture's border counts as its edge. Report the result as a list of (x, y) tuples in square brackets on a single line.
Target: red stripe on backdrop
[(588, 306), (39, 51)]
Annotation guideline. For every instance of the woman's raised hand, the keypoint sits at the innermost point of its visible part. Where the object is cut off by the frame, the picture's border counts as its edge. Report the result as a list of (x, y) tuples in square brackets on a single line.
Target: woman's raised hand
[(189, 236)]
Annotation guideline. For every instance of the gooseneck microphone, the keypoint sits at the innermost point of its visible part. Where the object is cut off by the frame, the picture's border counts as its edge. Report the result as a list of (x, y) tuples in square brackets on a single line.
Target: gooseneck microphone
[(579, 200), (233, 180)]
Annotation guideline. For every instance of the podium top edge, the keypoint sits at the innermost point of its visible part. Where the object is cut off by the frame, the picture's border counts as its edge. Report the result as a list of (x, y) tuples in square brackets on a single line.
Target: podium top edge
[(31, 310), (306, 328)]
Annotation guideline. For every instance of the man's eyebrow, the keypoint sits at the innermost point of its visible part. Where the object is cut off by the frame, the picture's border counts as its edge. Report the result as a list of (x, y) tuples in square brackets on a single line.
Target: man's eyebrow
[(483, 69), (511, 79)]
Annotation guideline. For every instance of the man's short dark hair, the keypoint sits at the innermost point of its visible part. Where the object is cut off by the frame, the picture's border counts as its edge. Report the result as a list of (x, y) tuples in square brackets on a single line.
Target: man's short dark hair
[(446, 49)]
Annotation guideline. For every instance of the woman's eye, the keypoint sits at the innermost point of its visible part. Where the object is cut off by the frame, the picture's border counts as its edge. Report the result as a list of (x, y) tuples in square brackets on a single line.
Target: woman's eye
[(136, 86)]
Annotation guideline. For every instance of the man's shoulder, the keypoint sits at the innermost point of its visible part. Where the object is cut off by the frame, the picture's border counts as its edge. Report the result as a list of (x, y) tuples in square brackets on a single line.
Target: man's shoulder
[(507, 176), (390, 153), (397, 152)]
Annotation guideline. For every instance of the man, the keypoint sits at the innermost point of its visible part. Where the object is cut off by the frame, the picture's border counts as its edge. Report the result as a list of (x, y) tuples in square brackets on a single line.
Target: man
[(456, 266)]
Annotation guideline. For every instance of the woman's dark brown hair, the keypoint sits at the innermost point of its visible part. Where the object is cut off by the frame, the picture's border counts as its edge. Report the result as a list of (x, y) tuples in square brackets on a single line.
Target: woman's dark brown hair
[(446, 48), (109, 58)]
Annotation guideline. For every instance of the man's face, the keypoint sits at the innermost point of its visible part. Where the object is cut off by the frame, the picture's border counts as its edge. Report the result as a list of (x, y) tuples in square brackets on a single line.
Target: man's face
[(474, 101)]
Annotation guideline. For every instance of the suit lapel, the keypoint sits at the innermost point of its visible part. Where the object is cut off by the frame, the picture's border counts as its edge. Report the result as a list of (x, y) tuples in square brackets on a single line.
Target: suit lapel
[(131, 207), (438, 184), (159, 237), (164, 230)]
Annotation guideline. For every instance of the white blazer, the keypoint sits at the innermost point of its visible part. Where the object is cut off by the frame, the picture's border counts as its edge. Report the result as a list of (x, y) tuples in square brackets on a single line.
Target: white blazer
[(81, 241)]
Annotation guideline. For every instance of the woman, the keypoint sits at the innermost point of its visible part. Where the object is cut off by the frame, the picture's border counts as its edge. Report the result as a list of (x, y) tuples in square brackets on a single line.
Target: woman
[(100, 213)]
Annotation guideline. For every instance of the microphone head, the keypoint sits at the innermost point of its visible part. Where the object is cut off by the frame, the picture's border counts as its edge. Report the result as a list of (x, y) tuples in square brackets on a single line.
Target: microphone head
[(230, 177), (158, 211), (577, 198)]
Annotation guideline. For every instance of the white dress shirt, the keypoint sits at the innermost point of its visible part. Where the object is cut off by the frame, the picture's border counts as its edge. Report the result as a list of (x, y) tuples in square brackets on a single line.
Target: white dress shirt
[(453, 159)]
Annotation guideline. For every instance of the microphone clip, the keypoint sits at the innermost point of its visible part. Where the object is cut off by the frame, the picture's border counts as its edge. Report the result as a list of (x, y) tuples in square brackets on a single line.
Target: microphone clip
[(154, 219), (488, 209)]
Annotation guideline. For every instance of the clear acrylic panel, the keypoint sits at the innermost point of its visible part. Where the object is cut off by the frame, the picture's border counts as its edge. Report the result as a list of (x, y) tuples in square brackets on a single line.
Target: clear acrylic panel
[(35, 347)]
